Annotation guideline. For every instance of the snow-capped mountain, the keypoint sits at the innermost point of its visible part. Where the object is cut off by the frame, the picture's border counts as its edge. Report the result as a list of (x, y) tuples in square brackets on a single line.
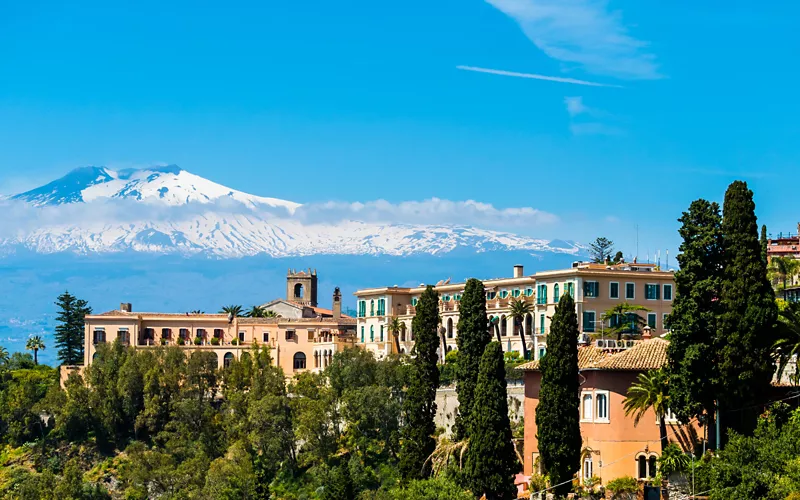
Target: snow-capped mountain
[(168, 185), (169, 210)]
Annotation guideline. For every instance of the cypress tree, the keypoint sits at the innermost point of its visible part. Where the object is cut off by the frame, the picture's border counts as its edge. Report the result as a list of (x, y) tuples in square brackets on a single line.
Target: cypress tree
[(419, 405), (764, 244), (693, 323), (749, 313), (69, 332), (491, 460), (473, 337), (557, 418)]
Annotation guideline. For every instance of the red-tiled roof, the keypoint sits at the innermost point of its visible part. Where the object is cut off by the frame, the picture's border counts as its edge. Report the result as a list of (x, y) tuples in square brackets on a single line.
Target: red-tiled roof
[(125, 314)]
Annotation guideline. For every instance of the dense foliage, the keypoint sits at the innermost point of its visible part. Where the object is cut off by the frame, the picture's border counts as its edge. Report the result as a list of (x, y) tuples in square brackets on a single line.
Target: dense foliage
[(749, 314), (557, 418), (491, 460), (473, 337), (157, 423), (692, 369), (419, 406), (69, 330)]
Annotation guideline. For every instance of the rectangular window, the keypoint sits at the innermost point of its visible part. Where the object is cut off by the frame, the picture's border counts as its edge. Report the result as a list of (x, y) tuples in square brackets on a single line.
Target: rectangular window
[(311, 335), (630, 291), (667, 292), (586, 407), (613, 290), (289, 334), (541, 324), (651, 320), (591, 289), (266, 336), (541, 294), (569, 289), (589, 318), (651, 292), (664, 322), (241, 336), (542, 351), (601, 400)]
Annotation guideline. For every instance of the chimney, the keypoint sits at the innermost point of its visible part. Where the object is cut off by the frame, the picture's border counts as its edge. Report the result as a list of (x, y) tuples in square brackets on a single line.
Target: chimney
[(518, 271), (337, 303), (125, 307)]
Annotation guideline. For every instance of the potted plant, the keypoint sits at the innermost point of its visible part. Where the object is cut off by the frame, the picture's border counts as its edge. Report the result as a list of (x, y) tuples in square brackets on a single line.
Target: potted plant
[(181, 341), (198, 341), (163, 341), (214, 340), (235, 342)]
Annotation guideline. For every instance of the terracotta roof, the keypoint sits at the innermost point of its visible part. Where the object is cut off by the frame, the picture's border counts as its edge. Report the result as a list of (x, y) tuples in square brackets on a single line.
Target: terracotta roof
[(645, 355), (326, 312), (300, 321), (648, 354), (587, 357)]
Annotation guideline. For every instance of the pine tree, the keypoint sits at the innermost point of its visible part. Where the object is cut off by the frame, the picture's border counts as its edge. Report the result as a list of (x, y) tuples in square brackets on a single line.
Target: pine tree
[(557, 418), (69, 336), (419, 405), (749, 313), (601, 249), (491, 460), (764, 244), (473, 337), (693, 323)]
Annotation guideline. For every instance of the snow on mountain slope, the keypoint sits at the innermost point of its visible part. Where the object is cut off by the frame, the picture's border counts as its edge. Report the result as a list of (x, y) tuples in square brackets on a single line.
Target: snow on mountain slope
[(168, 210), (169, 185)]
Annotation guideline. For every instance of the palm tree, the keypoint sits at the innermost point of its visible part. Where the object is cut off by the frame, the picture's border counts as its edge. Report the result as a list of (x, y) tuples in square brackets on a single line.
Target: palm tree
[(256, 312), (3, 355), (787, 348), (518, 310), (233, 310), (197, 311), (649, 392), (395, 326), (630, 324), (35, 344), (783, 269), (269, 313)]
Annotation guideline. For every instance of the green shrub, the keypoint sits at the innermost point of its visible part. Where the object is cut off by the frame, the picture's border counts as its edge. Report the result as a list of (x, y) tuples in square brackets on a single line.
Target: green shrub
[(198, 341), (214, 341), (181, 341), (625, 484), (235, 342)]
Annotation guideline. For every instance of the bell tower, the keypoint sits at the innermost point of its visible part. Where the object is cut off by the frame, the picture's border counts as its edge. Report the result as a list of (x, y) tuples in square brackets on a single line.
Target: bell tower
[(301, 287)]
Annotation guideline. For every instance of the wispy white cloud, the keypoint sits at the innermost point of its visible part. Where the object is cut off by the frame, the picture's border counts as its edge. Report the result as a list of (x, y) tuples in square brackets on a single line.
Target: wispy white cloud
[(583, 33), (535, 76), (21, 218), (575, 106)]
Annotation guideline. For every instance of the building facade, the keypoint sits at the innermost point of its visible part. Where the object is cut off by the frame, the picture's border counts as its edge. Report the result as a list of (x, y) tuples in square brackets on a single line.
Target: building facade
[(612, 445), (784, 245), (596, 288), (306, 338)]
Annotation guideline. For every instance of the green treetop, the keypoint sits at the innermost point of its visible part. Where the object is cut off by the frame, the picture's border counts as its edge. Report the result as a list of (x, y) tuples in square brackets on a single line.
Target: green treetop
[(749, 313), (491, 460), (693, 323), (557, 418), (419, 405), (473, 337)]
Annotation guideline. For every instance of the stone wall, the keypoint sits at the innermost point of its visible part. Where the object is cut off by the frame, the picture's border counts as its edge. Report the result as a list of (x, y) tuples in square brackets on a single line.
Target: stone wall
[(447, 404)]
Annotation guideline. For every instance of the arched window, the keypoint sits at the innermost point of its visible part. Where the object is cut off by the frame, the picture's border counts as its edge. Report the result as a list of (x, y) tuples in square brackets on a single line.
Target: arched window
[(414, 302), (651, 466), (298, 291), (503, 294), (372, 307), (381, 333), (227, 359), (299, 361), (449, 348), (528, 292), (602, 406), (449, 328), (362, 334), (402, 334), (372, 333), (587, 468), (555, 293), (503, 326), (587, 407), (516, 293), (528, 324), (316, 359), (642, 467)]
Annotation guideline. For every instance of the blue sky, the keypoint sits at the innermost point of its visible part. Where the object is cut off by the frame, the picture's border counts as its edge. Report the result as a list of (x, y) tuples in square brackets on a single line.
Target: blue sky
[(363, 100)]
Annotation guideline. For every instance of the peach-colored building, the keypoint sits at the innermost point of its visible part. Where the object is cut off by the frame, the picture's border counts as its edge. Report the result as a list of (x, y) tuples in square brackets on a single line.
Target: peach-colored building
[(305, 340), (596, 288), (612, 445)]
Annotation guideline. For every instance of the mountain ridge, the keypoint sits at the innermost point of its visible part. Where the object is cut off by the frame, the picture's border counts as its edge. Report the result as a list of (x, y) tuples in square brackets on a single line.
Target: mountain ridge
[(168, 210)]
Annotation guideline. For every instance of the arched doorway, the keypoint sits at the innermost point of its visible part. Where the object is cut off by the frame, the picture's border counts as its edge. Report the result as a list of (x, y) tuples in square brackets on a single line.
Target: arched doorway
[(227, 359), (449, 328)]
